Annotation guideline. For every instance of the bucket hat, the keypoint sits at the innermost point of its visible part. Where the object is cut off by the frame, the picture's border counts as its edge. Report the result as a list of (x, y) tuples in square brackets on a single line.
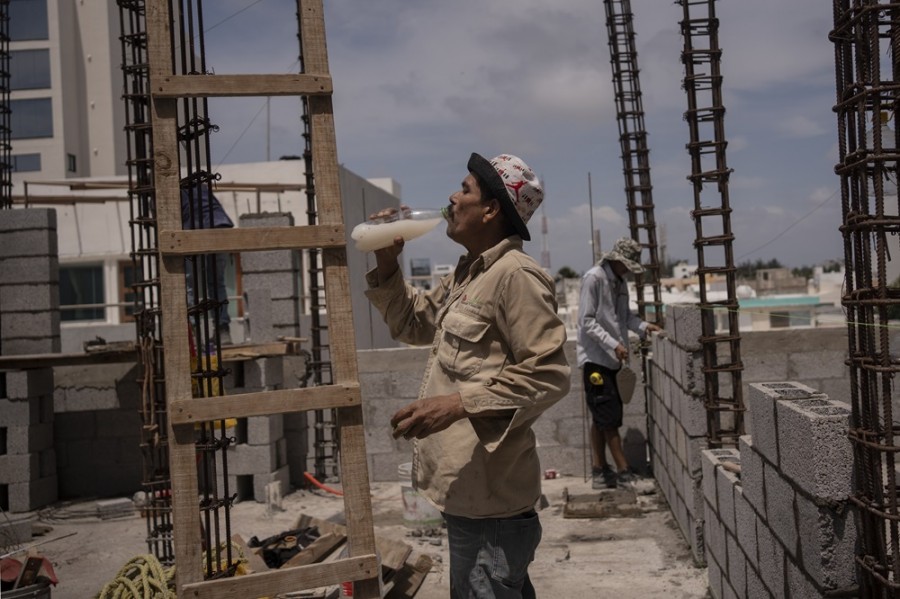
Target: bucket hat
[(514, 185), (628, 252)]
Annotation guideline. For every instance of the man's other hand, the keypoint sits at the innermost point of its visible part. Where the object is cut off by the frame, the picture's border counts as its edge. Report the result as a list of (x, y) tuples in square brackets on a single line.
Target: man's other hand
[(621, 352), (427, 416), (653, 328)]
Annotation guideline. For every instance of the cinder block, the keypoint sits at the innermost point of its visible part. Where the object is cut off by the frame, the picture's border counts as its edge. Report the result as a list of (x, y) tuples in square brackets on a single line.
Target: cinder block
[(714, 571), (755, 587), (31, 325), (266, 219), (280, 285), (118, 423), (737, 566), (264, 373), (714, 537), (284, 312), (252, 459), (762, 400), (816, 450), (29, 242), (693, 415), (799, 585), (48, 463), (19, 468), (745, 525), (19, 412), (32, 495), (20, 347), (753, 475), (688, 325), (726, 482), (263, 430), (269, 261), (28, 218), (728, 592), (29, 439), (828, 544), (90, 398), (28, 298), (780, 510), (771, 560), (75, 425), (697, 541), (257, 318), (281, 477), (34, 270), (693, 462)]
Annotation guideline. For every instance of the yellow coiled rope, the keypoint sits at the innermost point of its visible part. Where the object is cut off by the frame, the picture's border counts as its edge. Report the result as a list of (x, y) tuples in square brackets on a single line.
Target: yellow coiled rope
[(143, 577)]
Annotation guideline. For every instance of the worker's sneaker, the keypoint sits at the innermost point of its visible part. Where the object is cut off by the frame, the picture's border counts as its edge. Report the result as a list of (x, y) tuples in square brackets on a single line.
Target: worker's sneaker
[(626, 478), (603, 478)]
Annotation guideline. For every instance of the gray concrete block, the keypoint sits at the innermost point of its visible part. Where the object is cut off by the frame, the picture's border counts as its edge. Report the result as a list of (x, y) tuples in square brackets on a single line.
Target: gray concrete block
[(816, 451), (269, 261), (726, 482), (252, 459), (753, 475), (257, 318), (280, 285), (688, 325), (29, 242), (264, 373), (281, 476), (697, 541), (828, 544), (761, 404), (781, 510), (33, 270), (117, 423), (799, 586), (89, 398), (383, 467), (15, 532), (31, 325), (818, 363), (32, 495), (284, 312), (266, 219), (728, 591), (693, 415), (745, 519), (19, 347), (21, 412), (714, 571), (28, 218), (693, 461), (48, 463), (755, 587), (737, 566), (771, 560), (28, 298), (714, 536), (45, 408), (263, 430), (74, 425), (29, 439), (19, 468)]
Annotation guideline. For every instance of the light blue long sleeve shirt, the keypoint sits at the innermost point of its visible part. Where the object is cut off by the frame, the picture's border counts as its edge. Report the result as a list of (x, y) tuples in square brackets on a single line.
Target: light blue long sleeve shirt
[(604, 317)]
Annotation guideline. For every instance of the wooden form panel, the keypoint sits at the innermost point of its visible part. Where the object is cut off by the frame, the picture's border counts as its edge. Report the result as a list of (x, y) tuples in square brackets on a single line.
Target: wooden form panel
[(206, 86)]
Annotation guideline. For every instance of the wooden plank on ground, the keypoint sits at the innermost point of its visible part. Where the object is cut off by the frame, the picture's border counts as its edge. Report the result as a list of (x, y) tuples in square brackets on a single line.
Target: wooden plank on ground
[(612, 503), (406, 581), (254, 560), (317, 550)]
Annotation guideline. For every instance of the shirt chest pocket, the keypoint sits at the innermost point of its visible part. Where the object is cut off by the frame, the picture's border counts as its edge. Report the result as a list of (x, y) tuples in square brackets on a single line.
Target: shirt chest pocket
[(463, 345)]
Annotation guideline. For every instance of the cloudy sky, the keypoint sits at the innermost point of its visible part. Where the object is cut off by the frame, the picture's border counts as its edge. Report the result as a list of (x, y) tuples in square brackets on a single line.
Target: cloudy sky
[(420, 85)]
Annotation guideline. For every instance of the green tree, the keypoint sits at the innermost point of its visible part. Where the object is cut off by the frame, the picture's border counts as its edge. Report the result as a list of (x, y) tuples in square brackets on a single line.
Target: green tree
[(566, 272)]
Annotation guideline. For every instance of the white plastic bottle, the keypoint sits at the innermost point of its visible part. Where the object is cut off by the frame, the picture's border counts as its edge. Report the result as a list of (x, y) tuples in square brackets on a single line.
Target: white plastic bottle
[(406, 223)]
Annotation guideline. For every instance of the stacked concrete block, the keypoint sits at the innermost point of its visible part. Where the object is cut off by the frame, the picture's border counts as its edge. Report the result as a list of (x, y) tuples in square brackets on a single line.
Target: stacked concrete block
[(725, 557), (29, 282), (28, 478), (271, 283), (787, 519)]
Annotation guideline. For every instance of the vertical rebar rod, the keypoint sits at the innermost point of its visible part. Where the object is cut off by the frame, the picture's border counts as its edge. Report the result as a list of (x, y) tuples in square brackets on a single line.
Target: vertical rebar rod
[(866, 38), (6, 166), (635, 153), (722, 366)]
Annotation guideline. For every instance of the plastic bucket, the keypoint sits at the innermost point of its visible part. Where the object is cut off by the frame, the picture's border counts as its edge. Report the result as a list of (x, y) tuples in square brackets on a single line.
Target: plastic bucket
[(417, 512)]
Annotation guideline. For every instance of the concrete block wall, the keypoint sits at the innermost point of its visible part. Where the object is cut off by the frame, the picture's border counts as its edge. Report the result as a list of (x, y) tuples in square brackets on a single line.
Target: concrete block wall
[(29, 324), (783, 526), (677, 422), (390, 378), (271, 283)]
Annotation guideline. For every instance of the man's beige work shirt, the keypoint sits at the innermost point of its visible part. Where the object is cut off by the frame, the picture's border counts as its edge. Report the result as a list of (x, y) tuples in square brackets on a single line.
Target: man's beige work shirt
[(497, 340)]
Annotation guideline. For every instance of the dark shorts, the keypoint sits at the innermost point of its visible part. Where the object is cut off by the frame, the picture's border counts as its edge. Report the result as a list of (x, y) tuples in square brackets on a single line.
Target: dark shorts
[(603, 401)]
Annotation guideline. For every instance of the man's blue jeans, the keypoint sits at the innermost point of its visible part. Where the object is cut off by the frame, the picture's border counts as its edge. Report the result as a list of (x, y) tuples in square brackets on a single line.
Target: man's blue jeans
[(489, 557)]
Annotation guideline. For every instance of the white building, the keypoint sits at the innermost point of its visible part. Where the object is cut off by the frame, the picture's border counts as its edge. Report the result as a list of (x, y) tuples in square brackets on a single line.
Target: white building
[(66, 88)]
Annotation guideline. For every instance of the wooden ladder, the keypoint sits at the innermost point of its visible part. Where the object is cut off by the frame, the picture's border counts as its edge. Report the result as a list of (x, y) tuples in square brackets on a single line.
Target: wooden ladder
[(184, 411)]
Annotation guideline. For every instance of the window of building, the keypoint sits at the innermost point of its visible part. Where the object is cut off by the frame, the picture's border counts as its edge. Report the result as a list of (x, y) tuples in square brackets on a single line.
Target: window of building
[(28, 20), (26, 163), (126, 293), (71, 163), (31, 118), (779, 320), (81, 292), (29, 69)]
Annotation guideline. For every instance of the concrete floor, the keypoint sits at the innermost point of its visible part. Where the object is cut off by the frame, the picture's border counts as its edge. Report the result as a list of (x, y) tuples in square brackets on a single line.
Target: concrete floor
[(613, 557)]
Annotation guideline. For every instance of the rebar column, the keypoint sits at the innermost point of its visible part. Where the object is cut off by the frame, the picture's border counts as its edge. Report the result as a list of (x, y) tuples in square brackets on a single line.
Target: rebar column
[(5, 112), (635, 153), (866, 39), (720, 340)]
